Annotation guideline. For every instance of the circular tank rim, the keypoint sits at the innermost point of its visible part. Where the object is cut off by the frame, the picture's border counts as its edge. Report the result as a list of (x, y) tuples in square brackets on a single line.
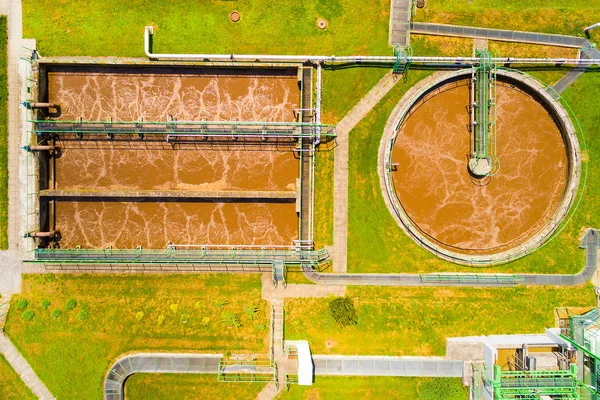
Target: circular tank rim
[(566, 128)]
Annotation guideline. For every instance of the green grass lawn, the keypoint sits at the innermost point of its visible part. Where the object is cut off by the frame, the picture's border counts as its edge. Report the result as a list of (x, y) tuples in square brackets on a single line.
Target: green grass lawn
[(117, 314), (187, 387), (11, 386), (375, 388), (377, 244), (286, 26), (553, 16), (417, 321), (3, 135)]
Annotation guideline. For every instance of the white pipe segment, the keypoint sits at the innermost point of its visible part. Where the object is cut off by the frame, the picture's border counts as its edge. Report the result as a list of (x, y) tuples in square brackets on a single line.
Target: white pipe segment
[(149, 31)]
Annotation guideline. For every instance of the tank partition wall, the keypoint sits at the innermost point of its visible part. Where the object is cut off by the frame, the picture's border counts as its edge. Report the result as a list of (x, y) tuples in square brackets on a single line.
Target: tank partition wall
[(298, 136)]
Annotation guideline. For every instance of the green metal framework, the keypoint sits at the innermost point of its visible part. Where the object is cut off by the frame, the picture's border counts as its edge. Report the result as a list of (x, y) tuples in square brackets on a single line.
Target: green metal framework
[(256, 369), (187, 129), (523, 385), (484, 110), (509, 280), (173, 256), (403, 59)]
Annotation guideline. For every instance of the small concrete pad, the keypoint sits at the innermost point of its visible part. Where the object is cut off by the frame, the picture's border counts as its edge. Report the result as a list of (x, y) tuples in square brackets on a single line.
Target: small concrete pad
[(10, 272)]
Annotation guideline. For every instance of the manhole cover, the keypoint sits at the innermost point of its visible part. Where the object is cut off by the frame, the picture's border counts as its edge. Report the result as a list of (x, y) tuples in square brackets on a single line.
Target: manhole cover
[(322, 23), (234, 16)]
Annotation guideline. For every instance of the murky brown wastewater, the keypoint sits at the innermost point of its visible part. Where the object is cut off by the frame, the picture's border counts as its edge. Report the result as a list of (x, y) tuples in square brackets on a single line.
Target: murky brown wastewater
[(479, 216), (154, 225), (149, 164)]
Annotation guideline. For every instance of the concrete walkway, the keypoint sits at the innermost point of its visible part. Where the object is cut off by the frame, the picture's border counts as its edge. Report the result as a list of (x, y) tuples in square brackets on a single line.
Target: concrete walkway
[(10, 265), (400, 16), (340, 169), (22, 368)]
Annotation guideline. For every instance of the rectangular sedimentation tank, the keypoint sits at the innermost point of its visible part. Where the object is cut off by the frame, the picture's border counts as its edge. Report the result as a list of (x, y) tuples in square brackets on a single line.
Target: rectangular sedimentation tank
[(255, 177)]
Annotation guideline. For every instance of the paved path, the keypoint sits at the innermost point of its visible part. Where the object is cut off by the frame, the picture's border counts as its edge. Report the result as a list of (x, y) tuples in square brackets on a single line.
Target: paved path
[(498, 34), (22, 368), (10, 264), (589, 52), (340, 169), (590, 242), (294, 290), (400, 16)]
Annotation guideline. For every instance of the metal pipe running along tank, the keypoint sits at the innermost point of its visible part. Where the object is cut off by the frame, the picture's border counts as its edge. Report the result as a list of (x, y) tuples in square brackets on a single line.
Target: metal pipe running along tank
[(149, 32)]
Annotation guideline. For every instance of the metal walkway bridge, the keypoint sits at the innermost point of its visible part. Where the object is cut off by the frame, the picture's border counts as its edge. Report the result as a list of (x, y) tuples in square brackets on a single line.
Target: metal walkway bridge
[(177, 130), (310, 262), (156, 363)]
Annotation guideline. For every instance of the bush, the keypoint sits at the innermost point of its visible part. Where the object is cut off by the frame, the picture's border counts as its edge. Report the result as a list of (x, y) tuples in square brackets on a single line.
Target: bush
[(205, 321), (45, 304), (138, 316), (185, 318), (22, 304), (174, 308), (55, 313), (71, 304), (28, 315), (343, 311), (161, 320), (198, 304), (232, 319), (221, 303), (83, 315), (251, 311)]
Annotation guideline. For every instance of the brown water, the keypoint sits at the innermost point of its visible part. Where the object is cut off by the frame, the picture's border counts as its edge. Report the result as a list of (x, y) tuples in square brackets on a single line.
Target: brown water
[(470, 215), (154, 225), (185, 96), (156, 166), (133, 164)]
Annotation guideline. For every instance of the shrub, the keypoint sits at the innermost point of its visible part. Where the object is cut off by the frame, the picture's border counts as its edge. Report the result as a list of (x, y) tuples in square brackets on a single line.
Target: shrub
[(161, 320), (138, 316), (205, 321), (251, 311), (45, 304), (343, 311), (71, 304), (221, 303), (174, 308), (231, 319), (22, 304), (55, 313), (198, 304), (83, 315), (28, 315), (185, 318)]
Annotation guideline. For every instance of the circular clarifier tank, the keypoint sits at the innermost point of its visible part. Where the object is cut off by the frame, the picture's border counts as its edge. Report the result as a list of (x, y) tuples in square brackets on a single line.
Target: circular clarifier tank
[(492, 209)]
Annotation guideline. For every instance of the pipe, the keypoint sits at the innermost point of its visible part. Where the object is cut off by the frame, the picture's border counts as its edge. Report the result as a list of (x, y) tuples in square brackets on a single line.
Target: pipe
[(35, 106), (40, 148), (455, 61), (318, 105), (41, 234), (589, 28)]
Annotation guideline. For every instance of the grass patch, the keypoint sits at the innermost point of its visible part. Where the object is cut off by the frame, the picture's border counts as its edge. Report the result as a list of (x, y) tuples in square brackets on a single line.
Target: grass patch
[(107, 28), (372, 388), (12, 387), (3, 134), (417, 321), (554, 16), (71, 354), (187, 387)]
